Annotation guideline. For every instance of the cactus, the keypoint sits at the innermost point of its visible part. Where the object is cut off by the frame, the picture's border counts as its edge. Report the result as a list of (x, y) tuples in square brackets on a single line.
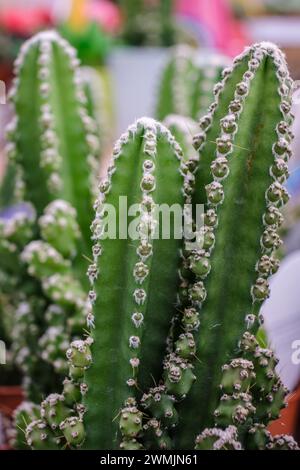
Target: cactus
[(244, 145), (51, 130), (53, 146), (149, 150), (148, 24), (109, 377), (150, 371), (23, 415), (188, 79)]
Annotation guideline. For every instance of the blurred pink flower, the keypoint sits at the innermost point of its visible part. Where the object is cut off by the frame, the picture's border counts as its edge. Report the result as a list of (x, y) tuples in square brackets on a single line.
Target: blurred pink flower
[(24, 21), (105, 13), (215, 24)]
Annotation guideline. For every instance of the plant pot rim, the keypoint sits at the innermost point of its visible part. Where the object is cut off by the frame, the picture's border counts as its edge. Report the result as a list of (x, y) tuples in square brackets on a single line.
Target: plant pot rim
[(11, 390)]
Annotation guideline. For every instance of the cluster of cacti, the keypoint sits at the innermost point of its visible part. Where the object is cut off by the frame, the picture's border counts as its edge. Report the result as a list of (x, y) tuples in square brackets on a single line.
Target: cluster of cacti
[(148, 23), (150, 372), (53, 146), (187, 82), (125, 296)]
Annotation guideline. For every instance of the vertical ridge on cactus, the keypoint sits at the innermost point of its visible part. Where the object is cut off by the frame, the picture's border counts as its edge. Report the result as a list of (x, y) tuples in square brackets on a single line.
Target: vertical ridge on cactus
[(249, 123)]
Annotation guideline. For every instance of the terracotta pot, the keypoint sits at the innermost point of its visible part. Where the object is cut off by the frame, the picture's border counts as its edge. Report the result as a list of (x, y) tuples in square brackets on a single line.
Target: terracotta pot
[(289, 420), (6, 71), (10, 398)]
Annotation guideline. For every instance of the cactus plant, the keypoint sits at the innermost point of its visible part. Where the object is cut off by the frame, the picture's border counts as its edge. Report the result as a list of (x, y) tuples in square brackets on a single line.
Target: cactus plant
[(244, 144), (148, 23), (53, 146), (143, 158), (187, 82), (52, 130), (155, 371)]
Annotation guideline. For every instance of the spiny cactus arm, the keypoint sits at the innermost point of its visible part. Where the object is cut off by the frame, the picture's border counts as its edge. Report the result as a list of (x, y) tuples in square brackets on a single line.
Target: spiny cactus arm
[(53, 139), (16, 229), (260, 439), (22, 416), (245, 194), (267, 390), (131, 315), (252, 395), (218, 439), (210, 125), (59, 284), (58, 227)]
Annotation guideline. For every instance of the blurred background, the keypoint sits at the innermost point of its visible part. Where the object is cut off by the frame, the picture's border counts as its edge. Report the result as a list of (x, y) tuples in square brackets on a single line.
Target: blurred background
[(129, 48), (127, 51)]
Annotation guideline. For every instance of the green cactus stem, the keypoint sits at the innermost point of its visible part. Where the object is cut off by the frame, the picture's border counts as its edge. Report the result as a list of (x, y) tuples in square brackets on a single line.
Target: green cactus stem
[(128, 317), (245, 136), (252, 395), (53, 147), (125, 358), (166, 361), (148, 23), (23, 415), (52, 138), (187, 82)]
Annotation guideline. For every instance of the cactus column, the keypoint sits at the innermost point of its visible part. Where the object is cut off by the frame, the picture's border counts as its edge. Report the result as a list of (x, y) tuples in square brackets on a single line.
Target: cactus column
[(134, 280), (52, 138), (245, 145)]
